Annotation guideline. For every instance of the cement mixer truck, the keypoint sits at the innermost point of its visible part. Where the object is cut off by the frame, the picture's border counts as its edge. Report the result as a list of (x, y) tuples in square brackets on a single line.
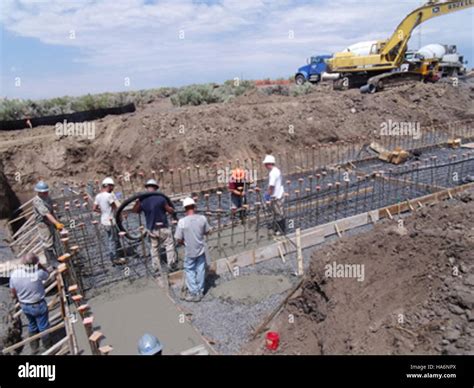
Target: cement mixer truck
[(380, 67), (451, 64)]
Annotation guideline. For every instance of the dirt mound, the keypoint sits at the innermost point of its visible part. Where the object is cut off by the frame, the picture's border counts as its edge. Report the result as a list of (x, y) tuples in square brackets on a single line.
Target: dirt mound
[(161, 136), (416, 295)]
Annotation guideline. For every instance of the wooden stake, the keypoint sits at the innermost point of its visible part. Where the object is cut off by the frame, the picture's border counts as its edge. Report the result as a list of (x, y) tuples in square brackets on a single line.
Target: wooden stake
[(299, 255)]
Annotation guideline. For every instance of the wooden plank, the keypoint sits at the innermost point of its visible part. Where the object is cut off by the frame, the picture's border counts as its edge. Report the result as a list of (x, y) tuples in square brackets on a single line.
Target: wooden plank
[(55, 347), (199, 350), (269, 318), (106, 349), (282, 255), (95, 336), (435, 197), (299, 255)]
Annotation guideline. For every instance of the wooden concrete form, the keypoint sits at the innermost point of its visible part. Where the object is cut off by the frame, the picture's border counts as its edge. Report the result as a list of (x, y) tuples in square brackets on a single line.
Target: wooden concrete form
[(317, 235)]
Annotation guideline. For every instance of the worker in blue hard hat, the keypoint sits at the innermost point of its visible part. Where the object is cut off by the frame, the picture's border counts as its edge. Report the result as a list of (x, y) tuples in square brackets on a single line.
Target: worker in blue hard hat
[(149, 345), (46, 221)]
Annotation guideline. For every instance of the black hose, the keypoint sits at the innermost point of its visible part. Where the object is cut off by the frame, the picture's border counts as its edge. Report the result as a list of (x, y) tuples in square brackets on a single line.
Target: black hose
[(133, 198)]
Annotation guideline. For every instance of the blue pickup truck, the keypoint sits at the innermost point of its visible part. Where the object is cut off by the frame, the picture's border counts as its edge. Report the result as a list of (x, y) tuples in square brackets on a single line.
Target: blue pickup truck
[(312, 72)]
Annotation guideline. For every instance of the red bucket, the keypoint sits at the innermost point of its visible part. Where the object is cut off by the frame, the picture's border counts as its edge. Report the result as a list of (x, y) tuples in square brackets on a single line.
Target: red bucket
[(273, 340)]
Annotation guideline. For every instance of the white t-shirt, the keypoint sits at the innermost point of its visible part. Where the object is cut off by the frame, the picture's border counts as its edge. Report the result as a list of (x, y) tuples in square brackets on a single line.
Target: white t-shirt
[(104, 200), (275, 180)]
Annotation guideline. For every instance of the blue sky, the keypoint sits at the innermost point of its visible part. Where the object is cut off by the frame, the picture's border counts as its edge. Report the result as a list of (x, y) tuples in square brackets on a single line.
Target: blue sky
[(140, 40)]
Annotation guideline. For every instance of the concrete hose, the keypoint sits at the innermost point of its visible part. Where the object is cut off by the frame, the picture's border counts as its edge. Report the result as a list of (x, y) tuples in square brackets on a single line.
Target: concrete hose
[(133, 198)]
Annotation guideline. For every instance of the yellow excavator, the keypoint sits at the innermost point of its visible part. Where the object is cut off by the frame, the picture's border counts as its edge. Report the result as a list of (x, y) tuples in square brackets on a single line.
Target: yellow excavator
[(382, 67)]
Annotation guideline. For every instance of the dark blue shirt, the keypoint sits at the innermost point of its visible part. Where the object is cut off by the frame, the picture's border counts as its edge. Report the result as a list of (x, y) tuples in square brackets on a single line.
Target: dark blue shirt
[(154, 209)]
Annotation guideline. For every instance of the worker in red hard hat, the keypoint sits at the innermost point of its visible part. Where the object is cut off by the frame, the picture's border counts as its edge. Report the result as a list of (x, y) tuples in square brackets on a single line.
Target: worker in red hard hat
[(237, 185)]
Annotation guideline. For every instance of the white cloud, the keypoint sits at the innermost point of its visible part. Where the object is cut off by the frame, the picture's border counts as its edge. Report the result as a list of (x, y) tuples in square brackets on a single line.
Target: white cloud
[(135, 38)]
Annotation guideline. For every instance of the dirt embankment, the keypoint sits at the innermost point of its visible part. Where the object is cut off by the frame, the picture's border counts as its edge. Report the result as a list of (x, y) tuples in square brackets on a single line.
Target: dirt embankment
[(417, 295), (8, 199), (10, 327), (162, 136)]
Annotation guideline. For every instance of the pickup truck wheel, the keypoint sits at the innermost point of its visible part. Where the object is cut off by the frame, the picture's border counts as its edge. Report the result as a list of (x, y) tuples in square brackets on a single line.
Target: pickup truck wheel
[(299, 79)]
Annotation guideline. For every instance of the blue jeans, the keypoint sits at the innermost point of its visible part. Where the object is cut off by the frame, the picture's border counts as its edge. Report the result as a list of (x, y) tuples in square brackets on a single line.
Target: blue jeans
[(112, 241), (38, 316), (195, 271)]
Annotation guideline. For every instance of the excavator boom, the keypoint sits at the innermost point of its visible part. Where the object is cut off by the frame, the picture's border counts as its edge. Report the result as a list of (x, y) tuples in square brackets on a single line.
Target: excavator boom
[(387, 55)]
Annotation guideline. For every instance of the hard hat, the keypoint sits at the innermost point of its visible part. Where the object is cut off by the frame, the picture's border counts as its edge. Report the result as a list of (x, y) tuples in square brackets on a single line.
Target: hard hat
[(41, 187), (149, 345), (188, 202), (269, 159), (151, 182), (238, 174), (108, 181)]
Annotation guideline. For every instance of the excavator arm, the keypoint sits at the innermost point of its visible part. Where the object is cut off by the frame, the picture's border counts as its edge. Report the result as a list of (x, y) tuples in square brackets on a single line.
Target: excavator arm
[(390, 54)]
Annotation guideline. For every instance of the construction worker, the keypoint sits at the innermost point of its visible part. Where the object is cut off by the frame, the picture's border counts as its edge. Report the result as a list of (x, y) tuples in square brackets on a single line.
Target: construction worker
[(26, 284), (149, 345), (191, 232), (157, 226), (275, 194), (46, 221), (105, 204), (236, 186)]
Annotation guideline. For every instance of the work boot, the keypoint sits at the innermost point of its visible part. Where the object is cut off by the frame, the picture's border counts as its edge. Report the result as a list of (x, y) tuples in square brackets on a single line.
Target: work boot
[(281, 226), (34, 345), (190, 298), (47, 342), (198, 297)]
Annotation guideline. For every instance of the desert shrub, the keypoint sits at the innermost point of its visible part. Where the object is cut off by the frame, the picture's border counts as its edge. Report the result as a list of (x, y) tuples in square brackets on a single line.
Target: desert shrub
[(281, 90), (14, 109), (195, 95), (210, 93), (300, 90), (11, 109)]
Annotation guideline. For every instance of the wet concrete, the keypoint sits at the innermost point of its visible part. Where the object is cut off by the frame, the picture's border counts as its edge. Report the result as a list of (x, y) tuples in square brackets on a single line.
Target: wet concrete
[(125, 311), (251, 289)]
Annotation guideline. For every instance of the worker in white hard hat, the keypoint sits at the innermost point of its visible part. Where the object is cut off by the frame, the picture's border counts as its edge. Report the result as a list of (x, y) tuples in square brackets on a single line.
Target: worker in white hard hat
[(191, 232), (105, 203), (275, 194), (46, 221), (158, 229)]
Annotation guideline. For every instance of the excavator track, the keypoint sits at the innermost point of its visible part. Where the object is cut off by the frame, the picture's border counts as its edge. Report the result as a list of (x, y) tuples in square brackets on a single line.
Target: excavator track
[(390, 81)]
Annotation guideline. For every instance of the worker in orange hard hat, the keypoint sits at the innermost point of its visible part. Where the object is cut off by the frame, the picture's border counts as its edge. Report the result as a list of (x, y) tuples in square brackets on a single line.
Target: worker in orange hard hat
[(237, 185)]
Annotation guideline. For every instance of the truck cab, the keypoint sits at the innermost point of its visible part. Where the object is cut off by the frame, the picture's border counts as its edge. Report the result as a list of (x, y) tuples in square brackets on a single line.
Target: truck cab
[(313, 71)]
